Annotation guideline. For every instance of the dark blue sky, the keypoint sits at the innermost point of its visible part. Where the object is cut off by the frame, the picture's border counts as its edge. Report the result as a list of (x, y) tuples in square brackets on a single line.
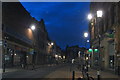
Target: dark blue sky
[(65, 21)]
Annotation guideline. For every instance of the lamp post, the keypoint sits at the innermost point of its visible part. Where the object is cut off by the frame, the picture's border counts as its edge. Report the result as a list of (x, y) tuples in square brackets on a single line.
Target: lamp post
[(85, 36), (99, 15), (33, 57)]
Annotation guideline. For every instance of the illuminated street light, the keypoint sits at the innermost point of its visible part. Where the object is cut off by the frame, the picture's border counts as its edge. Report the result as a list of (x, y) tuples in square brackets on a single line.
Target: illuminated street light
[(32, 27), (99, 13), (86, 58), (85, 34), (88, 41), (59, 56), (52, 43), (90, 16), (56, 56), (63, 57)]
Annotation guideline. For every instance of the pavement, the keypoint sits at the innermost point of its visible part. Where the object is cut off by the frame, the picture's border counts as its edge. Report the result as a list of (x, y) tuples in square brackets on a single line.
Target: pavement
[(39, 72), (93, 73), (29, 67)]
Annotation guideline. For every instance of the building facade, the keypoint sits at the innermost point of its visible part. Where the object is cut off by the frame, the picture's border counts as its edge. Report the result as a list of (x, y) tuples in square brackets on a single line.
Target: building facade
[(21, 45), (104, 32), (73, 52)]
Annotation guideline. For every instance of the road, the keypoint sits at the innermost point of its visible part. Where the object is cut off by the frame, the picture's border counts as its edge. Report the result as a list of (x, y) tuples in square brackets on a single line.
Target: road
[(40, 72), (53, 72)]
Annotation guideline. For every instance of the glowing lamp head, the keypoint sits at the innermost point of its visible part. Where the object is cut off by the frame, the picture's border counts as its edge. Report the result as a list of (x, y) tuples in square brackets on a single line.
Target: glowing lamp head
[(32, 27), (56, 56), (88, 41), (85, 34), (90, 16), (52, 43), (99, 13)]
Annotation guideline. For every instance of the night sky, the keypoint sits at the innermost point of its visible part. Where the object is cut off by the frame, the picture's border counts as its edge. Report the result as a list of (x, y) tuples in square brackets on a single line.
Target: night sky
[(65, 21)]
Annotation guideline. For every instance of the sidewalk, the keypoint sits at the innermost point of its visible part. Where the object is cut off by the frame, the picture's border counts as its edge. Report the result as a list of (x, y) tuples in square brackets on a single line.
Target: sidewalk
[(29, 67), (93, 73)]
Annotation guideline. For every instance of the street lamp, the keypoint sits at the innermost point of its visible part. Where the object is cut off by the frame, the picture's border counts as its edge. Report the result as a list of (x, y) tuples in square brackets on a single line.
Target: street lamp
[(90, 16), (32, 27), (56, 56), (99, 13), (86, 63), (59, 56), (85, 34), (52, 43), (63, 57), (88, 41)]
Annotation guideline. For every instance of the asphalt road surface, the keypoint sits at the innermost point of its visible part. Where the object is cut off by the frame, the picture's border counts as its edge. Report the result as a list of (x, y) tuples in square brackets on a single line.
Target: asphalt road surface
[(60, 71)]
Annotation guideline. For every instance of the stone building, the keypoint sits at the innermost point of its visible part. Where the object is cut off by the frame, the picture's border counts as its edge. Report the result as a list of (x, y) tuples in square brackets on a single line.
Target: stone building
[(72, 52), (20, 43), (104, 35)]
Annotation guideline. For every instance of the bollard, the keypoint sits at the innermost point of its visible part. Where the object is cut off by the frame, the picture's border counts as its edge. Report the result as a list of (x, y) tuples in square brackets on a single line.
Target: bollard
[(98, 75), (87, 76), (73, 75)]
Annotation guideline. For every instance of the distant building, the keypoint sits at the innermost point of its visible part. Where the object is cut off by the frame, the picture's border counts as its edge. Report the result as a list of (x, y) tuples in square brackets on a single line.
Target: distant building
[(108, 27), (21, 44), (72, 52)]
